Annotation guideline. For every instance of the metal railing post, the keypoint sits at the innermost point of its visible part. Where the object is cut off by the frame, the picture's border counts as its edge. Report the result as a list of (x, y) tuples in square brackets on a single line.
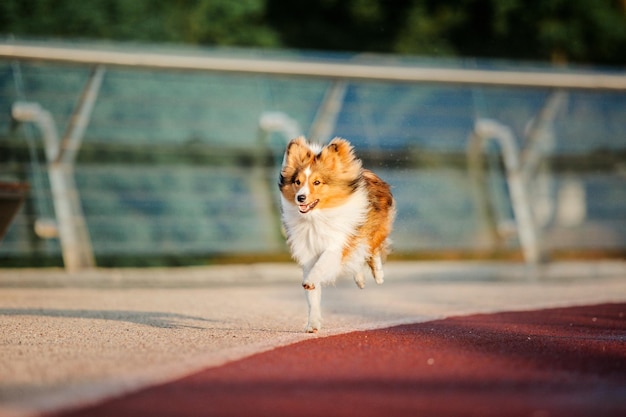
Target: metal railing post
[(71, 227), (485, 130), (328, 112), (73, 137)]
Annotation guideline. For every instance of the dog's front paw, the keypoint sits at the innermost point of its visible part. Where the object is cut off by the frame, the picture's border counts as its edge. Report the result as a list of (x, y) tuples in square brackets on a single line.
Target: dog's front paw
[(313, 326)]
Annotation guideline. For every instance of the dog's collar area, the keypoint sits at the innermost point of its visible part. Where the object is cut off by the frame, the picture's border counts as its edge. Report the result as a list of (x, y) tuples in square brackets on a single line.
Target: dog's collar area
[(305, 208)]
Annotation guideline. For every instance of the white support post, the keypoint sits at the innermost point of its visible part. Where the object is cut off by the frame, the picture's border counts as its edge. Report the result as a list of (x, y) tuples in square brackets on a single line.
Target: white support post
[(328, 112), (71, 227), (73, 137), (70, 221), (485, 130)]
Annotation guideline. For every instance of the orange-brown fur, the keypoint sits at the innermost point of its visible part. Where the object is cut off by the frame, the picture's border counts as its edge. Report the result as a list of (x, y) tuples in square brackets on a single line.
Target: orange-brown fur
[(335, 169), (335, 174), (379, 221), (337, 217)]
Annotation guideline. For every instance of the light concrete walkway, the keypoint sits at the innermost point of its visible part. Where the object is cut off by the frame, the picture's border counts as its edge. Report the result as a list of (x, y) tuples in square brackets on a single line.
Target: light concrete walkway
[(68, 339)]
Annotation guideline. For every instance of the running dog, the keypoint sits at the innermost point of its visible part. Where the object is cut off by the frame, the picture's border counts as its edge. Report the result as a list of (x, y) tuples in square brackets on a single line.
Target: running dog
[(337, 217)]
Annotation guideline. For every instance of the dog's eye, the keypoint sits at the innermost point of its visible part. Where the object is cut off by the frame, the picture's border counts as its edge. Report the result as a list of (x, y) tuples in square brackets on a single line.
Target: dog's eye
[(316, 182), (297, 182)]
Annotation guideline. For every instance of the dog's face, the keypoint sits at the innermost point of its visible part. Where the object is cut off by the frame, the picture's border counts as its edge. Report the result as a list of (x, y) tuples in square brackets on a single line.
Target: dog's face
[(312, 178)]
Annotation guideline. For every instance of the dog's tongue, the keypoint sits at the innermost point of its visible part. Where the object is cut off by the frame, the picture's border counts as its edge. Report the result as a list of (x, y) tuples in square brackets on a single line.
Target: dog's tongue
[(305, 208)]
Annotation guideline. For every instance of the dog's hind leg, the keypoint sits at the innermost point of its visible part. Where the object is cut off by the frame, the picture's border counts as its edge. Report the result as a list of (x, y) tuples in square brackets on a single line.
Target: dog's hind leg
[(359, 279), (314, 299), (376, 265)]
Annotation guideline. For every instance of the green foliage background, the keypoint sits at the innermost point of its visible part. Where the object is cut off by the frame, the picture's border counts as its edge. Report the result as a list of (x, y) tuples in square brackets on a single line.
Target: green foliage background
[(584, 31)]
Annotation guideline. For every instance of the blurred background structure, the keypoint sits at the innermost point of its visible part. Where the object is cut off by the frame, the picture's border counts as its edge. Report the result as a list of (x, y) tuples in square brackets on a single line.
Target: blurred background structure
[(165, 150)]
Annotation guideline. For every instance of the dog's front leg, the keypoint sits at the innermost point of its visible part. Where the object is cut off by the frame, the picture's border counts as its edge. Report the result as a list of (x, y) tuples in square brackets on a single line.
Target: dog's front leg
[(314, 299), (324, 269)]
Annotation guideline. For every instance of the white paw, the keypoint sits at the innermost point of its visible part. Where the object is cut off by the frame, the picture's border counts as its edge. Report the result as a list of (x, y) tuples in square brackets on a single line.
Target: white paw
[(359, 279), (313, 326), (379, 276)]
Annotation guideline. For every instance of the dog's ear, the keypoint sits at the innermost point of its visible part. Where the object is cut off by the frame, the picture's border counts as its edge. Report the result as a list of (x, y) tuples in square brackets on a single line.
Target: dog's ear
[(339, 156), (298, 152), (341, 151), (342, 148), (298, 155)]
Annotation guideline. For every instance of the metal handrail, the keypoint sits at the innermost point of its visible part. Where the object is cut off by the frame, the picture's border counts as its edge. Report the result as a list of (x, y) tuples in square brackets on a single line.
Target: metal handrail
[(317, 68)]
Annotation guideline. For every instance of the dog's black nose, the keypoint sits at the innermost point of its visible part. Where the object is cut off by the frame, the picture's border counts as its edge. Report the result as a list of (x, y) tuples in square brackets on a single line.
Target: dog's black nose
[(301, 198)]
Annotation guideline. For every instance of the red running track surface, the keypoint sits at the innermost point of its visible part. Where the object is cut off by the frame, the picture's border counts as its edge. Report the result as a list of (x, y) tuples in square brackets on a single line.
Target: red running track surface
[(555, 362)]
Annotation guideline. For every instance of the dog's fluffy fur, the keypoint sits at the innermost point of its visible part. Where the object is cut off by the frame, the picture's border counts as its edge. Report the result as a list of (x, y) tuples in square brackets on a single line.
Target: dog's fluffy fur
[(336, 214)]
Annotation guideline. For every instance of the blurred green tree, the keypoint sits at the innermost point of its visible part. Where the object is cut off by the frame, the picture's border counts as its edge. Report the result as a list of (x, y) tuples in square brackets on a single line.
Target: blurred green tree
[(557, 30), (592, 31), (228, 22), (214, 22)]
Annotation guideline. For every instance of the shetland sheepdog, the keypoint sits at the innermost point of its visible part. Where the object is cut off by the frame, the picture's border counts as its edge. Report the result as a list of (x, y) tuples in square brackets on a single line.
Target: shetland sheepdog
[(337, 217)]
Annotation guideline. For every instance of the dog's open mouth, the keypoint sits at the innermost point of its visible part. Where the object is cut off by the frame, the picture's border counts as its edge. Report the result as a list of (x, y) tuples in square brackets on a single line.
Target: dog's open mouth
[(305, 208)]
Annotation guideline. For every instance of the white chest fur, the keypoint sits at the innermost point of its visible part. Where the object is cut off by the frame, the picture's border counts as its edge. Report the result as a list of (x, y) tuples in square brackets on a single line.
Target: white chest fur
[(320, 230)]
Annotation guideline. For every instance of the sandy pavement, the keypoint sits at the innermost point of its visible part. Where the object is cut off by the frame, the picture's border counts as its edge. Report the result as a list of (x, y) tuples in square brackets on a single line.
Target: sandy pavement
[(68, 339)]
